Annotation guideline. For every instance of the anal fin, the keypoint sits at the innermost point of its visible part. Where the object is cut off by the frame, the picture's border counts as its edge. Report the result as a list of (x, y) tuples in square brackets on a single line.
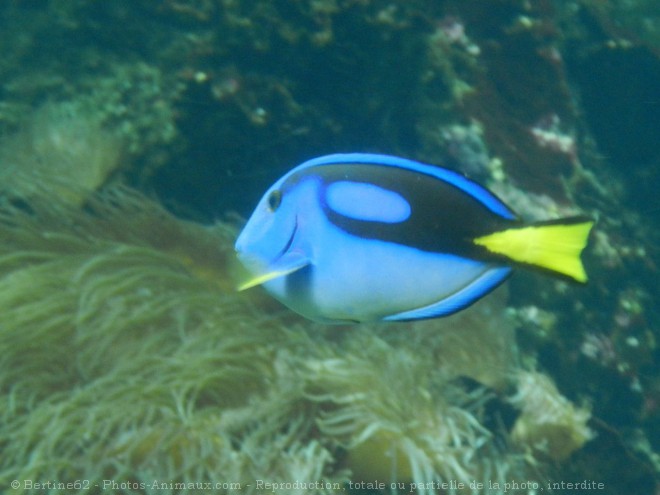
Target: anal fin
[(460, 299)]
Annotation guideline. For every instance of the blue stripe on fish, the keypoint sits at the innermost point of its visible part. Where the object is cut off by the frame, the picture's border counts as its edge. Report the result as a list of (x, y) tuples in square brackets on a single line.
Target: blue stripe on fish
[(367, 202), (443, 218), (456, 179)]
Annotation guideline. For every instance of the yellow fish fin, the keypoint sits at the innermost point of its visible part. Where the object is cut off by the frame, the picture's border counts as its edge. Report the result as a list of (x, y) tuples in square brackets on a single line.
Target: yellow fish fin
[(260, 279), (555, 245), (289, 263)]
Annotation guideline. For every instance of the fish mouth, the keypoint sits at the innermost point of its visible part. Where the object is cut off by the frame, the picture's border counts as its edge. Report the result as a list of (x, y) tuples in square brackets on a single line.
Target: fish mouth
[(284, 263), (255, 261)]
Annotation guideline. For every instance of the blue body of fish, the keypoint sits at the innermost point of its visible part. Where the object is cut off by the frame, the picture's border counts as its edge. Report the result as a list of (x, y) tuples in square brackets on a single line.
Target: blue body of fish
[(364, 237)]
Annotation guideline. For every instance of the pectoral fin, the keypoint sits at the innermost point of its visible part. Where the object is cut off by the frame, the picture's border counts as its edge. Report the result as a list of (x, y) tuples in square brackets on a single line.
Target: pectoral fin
[(288, 263)]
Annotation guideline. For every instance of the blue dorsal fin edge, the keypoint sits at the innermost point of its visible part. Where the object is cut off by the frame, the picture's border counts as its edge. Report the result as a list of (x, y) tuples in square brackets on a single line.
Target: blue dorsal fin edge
[(456, 179)]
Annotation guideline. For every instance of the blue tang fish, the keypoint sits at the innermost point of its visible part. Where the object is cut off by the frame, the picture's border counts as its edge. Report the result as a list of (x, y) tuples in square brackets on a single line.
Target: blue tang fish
[(364, 237)]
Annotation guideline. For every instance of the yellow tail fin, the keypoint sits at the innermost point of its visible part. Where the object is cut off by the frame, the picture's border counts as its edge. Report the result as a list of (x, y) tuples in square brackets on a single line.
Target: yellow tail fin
[(555, 245)]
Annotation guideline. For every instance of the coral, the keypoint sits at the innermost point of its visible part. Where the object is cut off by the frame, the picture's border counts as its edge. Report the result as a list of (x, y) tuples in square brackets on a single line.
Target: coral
[(549, 423), (96, 124), (63, 144)]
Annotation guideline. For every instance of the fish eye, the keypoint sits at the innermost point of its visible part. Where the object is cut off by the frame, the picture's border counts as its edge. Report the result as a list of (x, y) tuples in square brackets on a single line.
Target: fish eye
[(274, 200)]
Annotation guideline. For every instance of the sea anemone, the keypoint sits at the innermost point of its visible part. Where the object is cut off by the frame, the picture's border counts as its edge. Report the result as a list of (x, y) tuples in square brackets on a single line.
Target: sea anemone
[(127, 355), (402, 417), (549, 424), (61, 144)]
